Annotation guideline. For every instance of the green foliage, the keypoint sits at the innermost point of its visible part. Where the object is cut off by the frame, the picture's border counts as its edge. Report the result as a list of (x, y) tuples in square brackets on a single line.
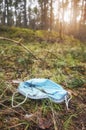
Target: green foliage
[(18, 33), (76, 82), (68, 121), (29, 35), (80, 54)]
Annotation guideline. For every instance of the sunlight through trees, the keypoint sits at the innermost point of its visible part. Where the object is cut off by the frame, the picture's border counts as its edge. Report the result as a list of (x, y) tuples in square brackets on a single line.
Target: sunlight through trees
[(67, 16)]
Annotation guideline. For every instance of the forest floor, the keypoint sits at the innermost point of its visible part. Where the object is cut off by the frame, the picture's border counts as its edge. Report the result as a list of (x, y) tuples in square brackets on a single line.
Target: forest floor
[(64, 63)]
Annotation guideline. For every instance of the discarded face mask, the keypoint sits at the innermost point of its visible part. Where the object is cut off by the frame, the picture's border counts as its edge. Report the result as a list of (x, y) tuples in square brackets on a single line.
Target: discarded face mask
[(39, 88)]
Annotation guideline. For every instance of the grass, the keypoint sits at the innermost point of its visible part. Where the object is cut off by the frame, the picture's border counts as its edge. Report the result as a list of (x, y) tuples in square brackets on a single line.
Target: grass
[(63, 63), (68, 122)]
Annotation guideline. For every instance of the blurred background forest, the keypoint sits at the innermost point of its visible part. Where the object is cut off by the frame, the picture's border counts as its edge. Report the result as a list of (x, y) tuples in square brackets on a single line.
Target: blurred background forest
[(63, 16)]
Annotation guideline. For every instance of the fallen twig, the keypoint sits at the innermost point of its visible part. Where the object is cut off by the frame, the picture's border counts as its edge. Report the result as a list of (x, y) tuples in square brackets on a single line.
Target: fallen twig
[(16, 125), (21, 44)]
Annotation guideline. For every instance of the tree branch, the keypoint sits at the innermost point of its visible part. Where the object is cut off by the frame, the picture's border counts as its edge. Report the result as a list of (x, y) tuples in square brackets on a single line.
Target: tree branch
[(21, 44)]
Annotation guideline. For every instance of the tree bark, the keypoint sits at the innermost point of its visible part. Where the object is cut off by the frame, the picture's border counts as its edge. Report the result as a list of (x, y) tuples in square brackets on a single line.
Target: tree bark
[(25, 16), (51, 14)]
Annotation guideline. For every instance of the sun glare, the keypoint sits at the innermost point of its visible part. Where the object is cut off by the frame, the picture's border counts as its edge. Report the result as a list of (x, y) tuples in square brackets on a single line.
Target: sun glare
[(67, 16)]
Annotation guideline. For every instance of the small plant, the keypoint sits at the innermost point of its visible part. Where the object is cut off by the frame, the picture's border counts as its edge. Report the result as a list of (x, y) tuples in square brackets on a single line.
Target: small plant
[(76, 82), (68, 122)]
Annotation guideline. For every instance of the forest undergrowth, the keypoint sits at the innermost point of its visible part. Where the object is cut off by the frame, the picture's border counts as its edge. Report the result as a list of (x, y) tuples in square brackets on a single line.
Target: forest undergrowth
[(63, 62)]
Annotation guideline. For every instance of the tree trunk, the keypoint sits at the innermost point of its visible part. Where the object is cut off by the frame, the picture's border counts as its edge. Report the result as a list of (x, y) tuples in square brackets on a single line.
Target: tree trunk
[(84, 19), (25, 16), (51, 14), (41, 5), (7, 11)]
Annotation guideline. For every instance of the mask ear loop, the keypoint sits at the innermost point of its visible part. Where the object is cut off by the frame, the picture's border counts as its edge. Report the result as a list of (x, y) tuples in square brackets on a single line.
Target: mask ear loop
[(19, 103), (67, 99)]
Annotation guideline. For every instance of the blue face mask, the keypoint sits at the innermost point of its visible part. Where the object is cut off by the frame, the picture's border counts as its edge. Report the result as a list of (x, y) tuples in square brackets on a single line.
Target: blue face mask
[(42, 88)]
